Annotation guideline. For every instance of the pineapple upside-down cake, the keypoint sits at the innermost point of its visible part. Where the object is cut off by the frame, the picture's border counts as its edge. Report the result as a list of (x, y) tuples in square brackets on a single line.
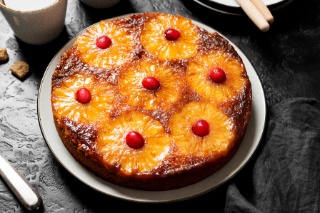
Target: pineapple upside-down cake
[(151, 101)]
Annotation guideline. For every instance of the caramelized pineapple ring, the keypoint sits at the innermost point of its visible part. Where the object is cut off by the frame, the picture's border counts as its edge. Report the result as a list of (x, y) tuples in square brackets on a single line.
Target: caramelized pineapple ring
[(198, 76), (216, 142), (171, 85), (122, 43), (65, 103), (154, 41), (115, 151)]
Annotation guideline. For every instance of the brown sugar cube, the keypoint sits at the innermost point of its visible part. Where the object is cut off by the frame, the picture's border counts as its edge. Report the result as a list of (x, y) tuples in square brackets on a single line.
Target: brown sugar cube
[(3, 54), (20, 69)]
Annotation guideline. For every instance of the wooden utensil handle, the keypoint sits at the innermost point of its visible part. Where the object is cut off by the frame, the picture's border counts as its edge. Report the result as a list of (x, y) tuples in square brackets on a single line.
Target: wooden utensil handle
[(254, 14), (263, 10)]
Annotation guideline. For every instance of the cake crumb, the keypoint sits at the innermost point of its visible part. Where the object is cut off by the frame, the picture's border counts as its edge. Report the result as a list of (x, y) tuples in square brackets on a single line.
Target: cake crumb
[(20, 69), (3, 54)]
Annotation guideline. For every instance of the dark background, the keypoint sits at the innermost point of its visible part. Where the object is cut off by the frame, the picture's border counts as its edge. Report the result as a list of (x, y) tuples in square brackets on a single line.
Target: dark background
[(286, 58)]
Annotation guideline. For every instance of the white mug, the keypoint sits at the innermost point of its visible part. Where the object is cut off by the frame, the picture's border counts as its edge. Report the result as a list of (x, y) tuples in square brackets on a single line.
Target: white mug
[(36, 26)]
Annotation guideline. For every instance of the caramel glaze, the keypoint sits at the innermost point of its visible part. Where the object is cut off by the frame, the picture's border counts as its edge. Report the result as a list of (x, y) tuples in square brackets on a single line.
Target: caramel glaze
[(175, 171)]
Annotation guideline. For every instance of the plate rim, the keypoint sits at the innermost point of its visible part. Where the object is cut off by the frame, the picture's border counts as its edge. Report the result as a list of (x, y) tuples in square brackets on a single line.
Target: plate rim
[(60, 152), (237, 11), (234, 4)]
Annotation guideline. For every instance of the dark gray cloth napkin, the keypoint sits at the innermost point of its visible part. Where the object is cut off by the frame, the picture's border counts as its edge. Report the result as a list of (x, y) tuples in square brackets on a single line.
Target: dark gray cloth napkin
[(284, 173)]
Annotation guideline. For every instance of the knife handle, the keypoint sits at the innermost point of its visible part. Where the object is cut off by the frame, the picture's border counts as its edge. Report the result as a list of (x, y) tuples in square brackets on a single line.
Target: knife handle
[(27, 195)]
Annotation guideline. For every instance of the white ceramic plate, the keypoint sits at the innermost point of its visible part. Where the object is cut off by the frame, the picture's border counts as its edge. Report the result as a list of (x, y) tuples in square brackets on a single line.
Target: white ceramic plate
[(252, 138), (234, 3)]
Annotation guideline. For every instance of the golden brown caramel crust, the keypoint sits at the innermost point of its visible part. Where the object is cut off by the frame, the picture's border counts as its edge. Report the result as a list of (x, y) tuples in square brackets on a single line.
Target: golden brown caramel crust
[(173, 168)]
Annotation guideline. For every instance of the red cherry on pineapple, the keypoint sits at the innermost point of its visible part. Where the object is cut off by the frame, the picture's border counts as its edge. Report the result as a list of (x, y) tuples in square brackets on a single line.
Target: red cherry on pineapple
[(201, 128), (103, 42), (150, 83), (83, 96), (172, 34), (217, 75), (134, 140)]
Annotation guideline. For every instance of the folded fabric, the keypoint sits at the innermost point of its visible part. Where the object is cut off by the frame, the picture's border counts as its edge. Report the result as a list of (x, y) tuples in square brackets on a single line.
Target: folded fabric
[(284, 173)]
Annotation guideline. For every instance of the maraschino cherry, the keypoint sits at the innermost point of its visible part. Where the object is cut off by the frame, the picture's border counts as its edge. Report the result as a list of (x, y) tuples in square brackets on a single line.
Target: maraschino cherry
[(172, 34), (217, 75), (134, 140), (150, 83), (201, 128), (83, 96), (103, 42)]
